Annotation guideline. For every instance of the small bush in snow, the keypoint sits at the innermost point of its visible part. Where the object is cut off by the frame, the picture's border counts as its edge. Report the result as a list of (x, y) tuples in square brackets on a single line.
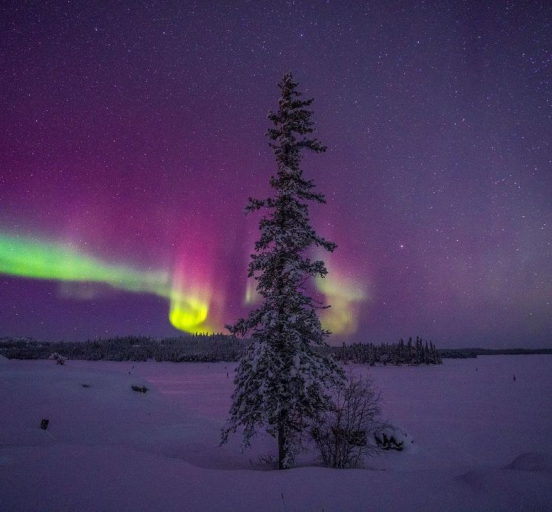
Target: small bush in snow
[(343, 435), (58, 358), (139, 389), (386, 442)]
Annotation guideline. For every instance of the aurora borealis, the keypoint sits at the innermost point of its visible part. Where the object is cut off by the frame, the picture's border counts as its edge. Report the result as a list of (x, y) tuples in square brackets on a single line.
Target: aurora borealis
[(56, 262), (132, 135)]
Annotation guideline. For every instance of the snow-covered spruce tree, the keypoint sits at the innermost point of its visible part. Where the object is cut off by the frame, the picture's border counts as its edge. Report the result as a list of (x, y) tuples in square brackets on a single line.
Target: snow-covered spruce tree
[(281, 382)]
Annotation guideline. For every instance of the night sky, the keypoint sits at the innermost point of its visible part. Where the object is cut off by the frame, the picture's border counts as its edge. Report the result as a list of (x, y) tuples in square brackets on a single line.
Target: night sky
[(132, 134)]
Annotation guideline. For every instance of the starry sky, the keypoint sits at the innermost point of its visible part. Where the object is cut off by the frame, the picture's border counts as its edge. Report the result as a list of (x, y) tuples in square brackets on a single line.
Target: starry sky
[(132, 134)]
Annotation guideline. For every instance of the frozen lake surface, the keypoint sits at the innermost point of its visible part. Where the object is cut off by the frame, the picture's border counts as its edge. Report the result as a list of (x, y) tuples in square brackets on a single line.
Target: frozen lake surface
[(481, 441)]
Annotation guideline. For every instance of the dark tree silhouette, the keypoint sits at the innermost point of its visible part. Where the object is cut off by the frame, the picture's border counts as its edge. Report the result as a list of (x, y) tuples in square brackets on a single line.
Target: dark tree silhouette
[(282, 383)]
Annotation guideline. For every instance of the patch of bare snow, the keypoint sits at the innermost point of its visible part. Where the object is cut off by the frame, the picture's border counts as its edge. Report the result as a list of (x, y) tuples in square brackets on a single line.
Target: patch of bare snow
[(481, 441), (532, 461)]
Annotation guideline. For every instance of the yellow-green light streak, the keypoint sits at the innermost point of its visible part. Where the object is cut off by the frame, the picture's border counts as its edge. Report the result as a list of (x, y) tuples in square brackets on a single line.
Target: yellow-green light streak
[(251, 294), (189, 314), (344, 298)]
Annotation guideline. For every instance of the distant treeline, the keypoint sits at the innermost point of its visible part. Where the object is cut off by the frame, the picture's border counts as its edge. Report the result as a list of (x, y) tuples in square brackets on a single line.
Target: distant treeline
[(474, 352), (221, 347), (196, 348), (207, 348), (457, 353), (410, 353)]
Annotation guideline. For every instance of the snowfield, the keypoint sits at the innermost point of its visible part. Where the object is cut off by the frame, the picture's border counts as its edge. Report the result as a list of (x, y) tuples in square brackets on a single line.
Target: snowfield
[(482, 441)]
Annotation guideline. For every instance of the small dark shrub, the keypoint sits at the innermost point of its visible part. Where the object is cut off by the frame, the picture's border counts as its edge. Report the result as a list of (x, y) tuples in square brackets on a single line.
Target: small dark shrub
[(139, 389), (58, 358), (388, 443)]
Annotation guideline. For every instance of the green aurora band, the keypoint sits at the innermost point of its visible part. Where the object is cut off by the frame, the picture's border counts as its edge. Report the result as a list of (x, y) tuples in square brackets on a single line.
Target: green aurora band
[(30, 258)]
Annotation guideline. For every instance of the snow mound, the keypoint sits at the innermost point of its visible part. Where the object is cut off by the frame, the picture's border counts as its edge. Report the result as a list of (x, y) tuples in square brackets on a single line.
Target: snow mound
[(392, 437), (532, 461), (3, 360)]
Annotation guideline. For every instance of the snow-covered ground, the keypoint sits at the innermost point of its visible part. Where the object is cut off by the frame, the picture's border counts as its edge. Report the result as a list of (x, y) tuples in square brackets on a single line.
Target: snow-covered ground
[(482, 441)]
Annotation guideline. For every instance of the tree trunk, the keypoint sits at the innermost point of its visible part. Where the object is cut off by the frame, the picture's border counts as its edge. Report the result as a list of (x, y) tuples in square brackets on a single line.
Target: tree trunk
[(282, 448)]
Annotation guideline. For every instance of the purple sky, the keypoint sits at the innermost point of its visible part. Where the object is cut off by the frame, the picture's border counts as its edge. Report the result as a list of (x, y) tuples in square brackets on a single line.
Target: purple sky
[(133, 132)]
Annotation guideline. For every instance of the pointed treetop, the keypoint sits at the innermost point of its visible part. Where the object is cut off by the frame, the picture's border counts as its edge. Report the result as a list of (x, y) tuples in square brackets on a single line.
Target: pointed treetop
[(292, 123)]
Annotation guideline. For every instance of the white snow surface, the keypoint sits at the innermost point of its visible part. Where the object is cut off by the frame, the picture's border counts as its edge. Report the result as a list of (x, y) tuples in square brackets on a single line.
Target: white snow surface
[(482, 441)]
